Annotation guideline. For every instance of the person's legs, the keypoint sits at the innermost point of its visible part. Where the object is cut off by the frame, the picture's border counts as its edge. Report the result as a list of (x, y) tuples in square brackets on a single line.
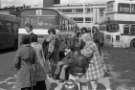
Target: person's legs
[(26, 88), (41, 85)]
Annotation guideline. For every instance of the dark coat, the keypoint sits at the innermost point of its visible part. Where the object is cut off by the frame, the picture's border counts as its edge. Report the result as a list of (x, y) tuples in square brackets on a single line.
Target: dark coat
[(77, 63)]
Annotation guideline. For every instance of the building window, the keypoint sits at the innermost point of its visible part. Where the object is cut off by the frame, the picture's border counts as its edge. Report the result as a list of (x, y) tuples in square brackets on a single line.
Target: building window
[(110, 7), (56, 1), (101, 11), (87, 19), (89, 10), (67, 10), (80, 10)]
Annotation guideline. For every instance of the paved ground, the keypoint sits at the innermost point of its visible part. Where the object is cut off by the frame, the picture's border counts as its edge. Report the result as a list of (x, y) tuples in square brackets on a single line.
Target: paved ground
[(120, 61)]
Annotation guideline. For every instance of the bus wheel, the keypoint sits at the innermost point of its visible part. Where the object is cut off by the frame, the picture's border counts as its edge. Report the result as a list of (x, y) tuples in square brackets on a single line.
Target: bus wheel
[(132, 44)]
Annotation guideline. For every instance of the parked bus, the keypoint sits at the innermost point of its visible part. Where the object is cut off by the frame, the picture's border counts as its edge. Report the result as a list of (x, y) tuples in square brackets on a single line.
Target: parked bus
[(8, 31), (43, 19), (119, 26)]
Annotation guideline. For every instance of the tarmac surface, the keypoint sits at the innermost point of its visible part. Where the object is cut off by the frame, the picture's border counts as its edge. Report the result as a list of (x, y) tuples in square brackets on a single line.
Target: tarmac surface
[(120, 61)]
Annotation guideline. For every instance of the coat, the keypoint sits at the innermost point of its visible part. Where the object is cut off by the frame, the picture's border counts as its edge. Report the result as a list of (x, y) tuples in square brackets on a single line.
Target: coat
[(24, 63), (96, 64), (40, 68)]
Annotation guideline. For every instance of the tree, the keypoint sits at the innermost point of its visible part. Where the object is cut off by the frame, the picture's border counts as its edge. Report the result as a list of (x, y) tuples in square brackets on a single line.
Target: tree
[(16, 10)]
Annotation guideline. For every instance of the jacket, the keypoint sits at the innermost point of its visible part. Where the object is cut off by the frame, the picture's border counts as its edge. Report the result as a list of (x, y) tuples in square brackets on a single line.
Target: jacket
[(24, 63)]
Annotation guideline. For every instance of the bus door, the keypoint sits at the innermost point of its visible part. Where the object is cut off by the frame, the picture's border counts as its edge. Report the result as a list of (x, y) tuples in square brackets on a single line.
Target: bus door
[(116, 38)]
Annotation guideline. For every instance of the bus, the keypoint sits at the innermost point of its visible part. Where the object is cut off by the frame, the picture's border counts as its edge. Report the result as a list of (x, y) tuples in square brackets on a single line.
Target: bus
[(119, 26), (9, 25), (43, 19)]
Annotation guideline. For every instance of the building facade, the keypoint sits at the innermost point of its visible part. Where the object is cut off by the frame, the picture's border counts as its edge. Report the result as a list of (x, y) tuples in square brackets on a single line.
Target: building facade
[(48, 3), (85, 15)]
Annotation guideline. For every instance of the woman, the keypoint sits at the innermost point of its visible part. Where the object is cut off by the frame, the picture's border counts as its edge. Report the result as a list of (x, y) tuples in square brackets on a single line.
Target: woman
[(96, 69), (24, 63), (40, 65)]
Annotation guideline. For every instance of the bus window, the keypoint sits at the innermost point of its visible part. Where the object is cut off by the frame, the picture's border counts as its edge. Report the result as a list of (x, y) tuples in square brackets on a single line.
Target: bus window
[(117, 37), (126, 29), (108, 37), (116, 27), (40, 21), (132, 29), (102, 27), (112, 27), (2, 27), (9, 27), (15, 27)]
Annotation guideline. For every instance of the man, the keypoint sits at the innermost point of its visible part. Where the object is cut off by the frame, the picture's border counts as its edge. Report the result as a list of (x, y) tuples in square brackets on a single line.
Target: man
[(99, 40), (51, 51)]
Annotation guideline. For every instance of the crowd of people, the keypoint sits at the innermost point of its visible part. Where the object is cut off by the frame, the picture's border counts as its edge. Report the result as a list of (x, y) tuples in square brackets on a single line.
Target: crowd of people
[(76, 58)]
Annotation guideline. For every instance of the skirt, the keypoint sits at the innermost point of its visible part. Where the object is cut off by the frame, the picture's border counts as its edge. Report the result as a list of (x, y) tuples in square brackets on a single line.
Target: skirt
[(95, 72)]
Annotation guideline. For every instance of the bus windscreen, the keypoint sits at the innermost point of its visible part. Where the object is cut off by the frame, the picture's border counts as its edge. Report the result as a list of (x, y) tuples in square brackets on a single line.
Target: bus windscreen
[(44, 21)]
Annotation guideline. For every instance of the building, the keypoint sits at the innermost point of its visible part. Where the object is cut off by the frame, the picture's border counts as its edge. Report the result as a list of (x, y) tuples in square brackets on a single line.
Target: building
[(85, 15), (49, 3)]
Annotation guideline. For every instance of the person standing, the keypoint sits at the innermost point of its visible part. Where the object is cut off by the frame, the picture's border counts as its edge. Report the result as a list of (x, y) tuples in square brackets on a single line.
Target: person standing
[(99, 40), (24, 63), (40, 68), (96, 69), (52, 53)]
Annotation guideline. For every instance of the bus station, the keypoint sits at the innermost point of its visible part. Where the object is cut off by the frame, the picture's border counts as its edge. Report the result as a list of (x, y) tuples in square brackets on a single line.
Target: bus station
[(67, 45)]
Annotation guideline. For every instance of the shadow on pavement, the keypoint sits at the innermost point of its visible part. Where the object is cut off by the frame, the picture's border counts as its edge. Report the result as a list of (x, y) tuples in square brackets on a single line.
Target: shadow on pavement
[(6, 50)]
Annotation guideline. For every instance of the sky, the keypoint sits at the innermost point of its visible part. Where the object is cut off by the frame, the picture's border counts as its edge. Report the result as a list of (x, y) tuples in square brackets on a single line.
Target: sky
[(39, 2)]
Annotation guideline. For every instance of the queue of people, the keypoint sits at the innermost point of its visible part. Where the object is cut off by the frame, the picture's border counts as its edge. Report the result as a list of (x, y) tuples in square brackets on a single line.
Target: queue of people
[(75, 59)]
